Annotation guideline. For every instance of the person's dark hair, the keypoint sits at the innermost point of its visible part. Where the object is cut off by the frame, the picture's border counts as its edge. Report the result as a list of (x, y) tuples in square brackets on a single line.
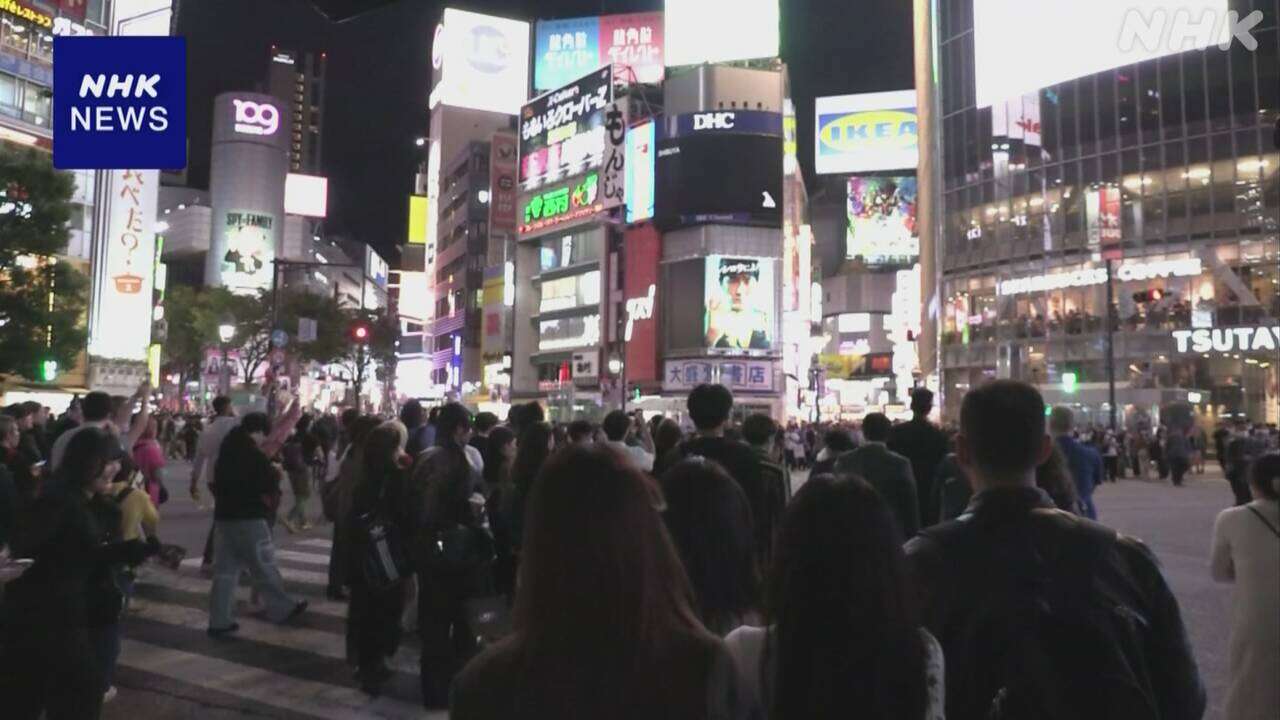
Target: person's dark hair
[(32, 407), (1054, 477), (921, 400), (839, 439), (561, 434), (16, 411), (452, 417), (360, 428), (759, 429), (531, 454), (876, 427), (580, 430), (613, 602), (1002, 423), (380, 448), (304, 424), (846, 639), (86, 455), (615, 425), (485, 421), (433, 416), (256, 422), (221, 404), (348, 416), (411, 414), (1264, 475), (666, 437), (709, 519), (496, 466), (709, 406), (96, 406)]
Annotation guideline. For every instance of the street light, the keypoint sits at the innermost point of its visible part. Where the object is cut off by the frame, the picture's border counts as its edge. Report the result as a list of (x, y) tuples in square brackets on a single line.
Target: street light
[(226, 331), (420, 141)]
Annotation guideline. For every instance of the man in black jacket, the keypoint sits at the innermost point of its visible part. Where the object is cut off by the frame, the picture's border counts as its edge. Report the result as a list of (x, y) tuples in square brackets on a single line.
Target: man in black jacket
[(921, 442), (1041, 613), (709, 409), (886, 471)]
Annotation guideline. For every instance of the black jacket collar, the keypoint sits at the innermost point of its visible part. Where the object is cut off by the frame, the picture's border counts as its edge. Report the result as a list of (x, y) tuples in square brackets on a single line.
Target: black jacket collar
[(1005, 501)]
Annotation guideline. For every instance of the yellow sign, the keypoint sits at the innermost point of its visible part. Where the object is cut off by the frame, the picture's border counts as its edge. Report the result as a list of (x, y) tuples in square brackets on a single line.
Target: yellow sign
[(31, 15), (153, 365), (872, 130), (417, 219)]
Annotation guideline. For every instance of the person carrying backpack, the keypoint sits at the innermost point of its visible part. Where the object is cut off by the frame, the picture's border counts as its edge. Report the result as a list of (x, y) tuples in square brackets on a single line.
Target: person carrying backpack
[(1043, 614)]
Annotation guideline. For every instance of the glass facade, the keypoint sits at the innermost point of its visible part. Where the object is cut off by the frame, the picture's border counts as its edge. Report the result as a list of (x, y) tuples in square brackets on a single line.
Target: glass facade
[(1165, 170)]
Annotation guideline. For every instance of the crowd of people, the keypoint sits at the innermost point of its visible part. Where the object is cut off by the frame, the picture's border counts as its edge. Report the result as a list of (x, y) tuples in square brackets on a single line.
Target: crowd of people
[(638, 569)]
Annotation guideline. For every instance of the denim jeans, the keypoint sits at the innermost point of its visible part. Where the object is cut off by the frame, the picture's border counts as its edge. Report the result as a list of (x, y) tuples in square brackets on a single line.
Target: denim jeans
[(106, 651), (245, 545)]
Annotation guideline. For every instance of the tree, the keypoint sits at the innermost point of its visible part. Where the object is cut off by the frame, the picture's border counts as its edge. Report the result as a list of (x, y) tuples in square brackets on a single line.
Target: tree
[(332, 342), (194, 316), (380, 350), (183, 350), (42, 301)]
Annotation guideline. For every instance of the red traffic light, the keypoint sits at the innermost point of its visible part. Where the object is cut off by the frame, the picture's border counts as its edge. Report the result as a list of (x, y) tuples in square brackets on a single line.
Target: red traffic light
[(1156, 294), (360, 333)]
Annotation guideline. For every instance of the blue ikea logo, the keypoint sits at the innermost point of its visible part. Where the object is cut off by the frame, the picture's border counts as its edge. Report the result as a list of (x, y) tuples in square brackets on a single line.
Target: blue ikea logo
[(119, 102), (840, 133)]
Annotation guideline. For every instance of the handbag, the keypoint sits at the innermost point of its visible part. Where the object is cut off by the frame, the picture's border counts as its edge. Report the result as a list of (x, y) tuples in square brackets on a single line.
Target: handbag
[(384, 560)]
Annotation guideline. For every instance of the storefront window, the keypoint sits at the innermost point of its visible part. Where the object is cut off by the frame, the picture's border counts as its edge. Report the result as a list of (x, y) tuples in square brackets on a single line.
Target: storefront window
[(15, 36), (41, 47), (36, 105)]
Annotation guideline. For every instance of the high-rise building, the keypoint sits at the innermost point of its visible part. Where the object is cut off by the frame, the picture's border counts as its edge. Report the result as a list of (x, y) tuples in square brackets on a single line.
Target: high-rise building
[(297, 80)]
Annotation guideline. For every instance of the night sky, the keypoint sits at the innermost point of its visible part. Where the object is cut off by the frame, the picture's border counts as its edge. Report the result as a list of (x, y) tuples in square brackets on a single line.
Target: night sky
[(379, 77)]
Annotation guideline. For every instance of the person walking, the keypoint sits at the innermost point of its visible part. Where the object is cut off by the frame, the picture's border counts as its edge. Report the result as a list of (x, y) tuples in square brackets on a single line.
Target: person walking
[(1111, 456), (1083, 461), (380, 511), (1177, 454), (337, 497), (1041, 613), (149, 459), (888, 472), (841, 639), (1241, 450), (207, 447), (709, 520), (769, 444), (1246, 554), (604, 619), (102, 412), (497, 480), (924, 444), (48, 661), (1053, 476), (301, 454), (836, 443), (246, 493), (532, 450)]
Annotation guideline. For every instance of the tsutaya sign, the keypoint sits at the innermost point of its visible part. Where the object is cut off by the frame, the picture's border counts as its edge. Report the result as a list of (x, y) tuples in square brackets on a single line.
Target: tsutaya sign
[(1232, 339), (1188, 267)]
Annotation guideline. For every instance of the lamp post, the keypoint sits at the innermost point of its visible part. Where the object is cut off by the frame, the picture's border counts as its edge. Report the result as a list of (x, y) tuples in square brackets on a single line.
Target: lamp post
[(226, 331)]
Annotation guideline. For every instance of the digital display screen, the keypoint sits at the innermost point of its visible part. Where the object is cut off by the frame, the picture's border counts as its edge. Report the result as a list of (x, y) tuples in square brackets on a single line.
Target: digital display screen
[(562, 132), (739, 303), (723, 178), (881, 220)]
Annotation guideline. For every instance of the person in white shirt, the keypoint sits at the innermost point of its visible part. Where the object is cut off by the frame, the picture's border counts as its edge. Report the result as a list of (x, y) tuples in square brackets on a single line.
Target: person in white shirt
[(111, 414), (207, 447), (620, 427), (1246, 553)]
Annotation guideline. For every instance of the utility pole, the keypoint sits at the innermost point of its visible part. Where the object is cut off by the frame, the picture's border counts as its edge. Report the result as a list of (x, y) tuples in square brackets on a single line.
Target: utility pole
[(1111, 351)]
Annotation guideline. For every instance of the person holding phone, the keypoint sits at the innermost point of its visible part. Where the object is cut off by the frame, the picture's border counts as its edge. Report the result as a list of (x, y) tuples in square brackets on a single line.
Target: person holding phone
[(621, 430)]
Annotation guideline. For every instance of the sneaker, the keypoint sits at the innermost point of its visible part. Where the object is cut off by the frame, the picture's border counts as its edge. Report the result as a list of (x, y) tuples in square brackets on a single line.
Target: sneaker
[(288, 525), (109, 695), (218, 633), (297, 611)]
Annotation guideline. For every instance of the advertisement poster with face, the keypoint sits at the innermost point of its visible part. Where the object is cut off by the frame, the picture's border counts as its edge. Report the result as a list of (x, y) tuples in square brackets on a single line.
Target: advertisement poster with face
[(739, 299), (250, 250), (882, 220)]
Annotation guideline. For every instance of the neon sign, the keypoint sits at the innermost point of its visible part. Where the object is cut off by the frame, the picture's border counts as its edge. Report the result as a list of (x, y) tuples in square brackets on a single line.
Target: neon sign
[(563, 204)]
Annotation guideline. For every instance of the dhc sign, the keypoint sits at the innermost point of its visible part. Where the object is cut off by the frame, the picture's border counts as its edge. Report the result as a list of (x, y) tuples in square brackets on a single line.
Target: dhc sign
[(119, 102)]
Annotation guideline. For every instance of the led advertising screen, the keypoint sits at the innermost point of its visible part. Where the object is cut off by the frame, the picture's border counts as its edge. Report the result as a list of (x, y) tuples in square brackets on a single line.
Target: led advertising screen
[(562, 132), (306, 195), (712, 31), (722, 178), (1022, 46), (639, 186), (566, 49), (571, 201), (871, 132), (250, 244), (740, 303), (881, 220), (481, 61)]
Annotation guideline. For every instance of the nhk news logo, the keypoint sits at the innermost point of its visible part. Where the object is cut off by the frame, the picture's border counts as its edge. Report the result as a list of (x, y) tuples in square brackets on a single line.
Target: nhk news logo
[(119, 102)]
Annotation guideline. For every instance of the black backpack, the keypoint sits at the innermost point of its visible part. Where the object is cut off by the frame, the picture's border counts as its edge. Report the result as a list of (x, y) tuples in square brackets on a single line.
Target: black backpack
[(1058, 645)]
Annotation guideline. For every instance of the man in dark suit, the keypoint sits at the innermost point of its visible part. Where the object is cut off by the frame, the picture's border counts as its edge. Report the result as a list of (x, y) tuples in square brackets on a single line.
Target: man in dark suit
[(921, 442), (887, 471)]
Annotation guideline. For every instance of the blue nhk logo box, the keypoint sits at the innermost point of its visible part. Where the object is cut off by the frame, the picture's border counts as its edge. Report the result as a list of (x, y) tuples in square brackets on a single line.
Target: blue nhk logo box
[(119, 102)]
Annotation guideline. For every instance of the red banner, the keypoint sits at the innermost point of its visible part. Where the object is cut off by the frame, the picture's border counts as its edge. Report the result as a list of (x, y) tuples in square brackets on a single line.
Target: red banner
[(642, 247), (502, 182)]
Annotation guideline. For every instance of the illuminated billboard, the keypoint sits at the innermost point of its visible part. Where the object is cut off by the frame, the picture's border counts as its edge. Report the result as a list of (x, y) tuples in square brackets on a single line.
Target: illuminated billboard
[(306, 195), (870, 132), (250, 242), (719, 177), (481, 62), (881, 220), (1022, 46), (120, 326), (712, 31), (573, 200), (640, 168), (417, 220), (563, 132), (739, 303), (566, 49), (570, 332)]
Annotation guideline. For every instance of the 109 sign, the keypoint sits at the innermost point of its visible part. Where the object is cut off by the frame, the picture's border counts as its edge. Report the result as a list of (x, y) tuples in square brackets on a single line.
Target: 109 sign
[(120, 102)]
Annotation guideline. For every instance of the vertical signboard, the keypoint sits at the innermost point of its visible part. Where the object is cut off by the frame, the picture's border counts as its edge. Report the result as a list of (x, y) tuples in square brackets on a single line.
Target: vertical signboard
[(642, 248), (503, 191), (249, 240), (639, 185), (417, 220), (124, 275), (613, 170)]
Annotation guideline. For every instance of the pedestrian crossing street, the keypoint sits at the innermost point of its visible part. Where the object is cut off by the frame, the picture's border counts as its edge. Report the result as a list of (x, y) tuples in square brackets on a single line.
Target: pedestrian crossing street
[(297, 670)]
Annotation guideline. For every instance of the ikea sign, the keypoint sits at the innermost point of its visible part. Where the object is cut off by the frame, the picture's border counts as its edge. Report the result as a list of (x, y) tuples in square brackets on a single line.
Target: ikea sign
[(871, 132)]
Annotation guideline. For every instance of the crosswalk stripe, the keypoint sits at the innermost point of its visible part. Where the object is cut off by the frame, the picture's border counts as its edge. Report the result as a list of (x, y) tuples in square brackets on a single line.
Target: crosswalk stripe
[(316, 542), (306, 558), (309, 577), (317, 699), (318, 642), (201, 585)]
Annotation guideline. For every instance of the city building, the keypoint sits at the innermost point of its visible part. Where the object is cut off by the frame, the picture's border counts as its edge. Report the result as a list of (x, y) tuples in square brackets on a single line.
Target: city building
[(297, 80), (1147, 181)]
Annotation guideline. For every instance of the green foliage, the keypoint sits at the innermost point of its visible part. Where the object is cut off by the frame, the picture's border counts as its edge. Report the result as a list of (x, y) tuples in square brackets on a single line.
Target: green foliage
[(34, 210)]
